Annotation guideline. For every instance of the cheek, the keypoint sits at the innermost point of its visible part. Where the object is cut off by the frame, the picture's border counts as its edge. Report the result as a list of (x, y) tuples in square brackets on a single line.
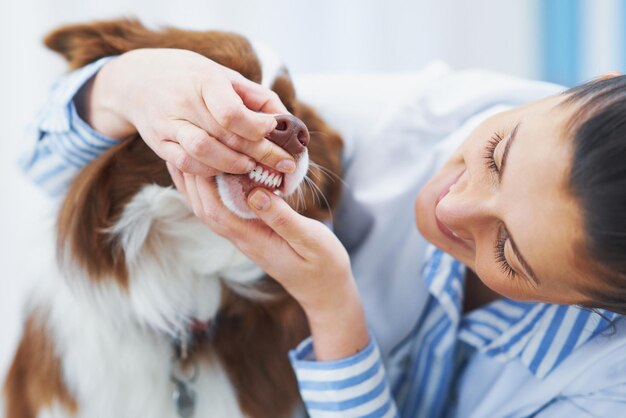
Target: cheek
[(490, 273)]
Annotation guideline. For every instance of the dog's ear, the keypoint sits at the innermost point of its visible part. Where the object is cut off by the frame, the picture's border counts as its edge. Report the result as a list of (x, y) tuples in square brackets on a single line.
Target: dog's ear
[(81, 44)]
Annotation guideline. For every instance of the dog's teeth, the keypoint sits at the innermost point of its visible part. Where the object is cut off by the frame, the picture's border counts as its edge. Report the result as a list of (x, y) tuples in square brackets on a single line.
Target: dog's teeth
[(266, 177)]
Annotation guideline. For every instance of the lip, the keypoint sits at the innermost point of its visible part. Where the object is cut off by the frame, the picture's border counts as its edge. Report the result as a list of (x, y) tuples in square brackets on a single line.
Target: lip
[(442, 227)]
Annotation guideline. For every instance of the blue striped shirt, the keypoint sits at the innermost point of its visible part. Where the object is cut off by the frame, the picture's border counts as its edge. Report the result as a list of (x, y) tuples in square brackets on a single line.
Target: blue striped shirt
[(445, 350), (537, 335)]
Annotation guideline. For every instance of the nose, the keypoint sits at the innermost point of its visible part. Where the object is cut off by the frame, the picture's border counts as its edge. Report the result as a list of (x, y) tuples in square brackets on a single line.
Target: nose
[(468, 208), (291, 134)]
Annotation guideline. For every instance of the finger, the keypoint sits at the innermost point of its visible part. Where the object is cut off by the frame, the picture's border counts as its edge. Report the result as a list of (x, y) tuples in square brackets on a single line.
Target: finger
[(255, 239), (257, 97), (173, 153), (192, 193), (296, 229), (216, 215), (265, 152), (179, 181), (211, 152), (229, 111)]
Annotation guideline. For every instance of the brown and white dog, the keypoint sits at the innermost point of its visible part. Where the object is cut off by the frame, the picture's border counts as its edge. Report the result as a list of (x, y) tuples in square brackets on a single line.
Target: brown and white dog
[(148, 313)]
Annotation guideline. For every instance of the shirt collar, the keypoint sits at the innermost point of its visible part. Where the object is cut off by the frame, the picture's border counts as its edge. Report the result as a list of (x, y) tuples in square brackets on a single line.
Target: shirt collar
[(540, 335)]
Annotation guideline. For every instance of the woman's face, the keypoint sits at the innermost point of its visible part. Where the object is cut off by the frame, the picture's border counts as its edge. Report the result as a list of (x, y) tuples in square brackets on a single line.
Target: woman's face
[(501, 205)]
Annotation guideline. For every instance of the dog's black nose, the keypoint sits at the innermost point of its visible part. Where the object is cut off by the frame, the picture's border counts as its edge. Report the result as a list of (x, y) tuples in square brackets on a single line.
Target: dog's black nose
[(290, 133)]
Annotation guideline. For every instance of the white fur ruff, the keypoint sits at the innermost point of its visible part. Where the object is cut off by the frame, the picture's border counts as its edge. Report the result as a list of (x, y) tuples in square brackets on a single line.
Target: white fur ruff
[(114, 346)]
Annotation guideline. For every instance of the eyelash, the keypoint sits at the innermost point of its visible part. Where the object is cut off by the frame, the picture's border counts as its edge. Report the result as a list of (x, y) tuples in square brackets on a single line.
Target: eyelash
[(490, 161), (490, 151), (500, 257)]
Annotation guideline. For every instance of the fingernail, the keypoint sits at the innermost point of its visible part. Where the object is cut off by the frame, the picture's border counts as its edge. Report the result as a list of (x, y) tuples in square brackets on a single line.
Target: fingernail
[(250, 166), (286, 166), (272, 127), (260, 200)]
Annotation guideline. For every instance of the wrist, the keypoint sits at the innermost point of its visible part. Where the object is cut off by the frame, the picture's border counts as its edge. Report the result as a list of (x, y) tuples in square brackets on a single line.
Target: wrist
[(338, 328), (100, 103)]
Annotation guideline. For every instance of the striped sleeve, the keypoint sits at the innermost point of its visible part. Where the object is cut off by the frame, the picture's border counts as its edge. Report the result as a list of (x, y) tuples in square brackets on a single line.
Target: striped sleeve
[(60, 143), (351, 387)]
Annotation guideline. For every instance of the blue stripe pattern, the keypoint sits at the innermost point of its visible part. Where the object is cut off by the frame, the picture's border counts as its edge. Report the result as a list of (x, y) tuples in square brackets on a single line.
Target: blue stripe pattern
[(538, 335), (62, 143), (352, 387)]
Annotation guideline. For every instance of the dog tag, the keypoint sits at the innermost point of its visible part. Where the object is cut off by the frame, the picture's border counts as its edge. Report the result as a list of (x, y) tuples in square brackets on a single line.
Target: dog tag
[(184, 399)]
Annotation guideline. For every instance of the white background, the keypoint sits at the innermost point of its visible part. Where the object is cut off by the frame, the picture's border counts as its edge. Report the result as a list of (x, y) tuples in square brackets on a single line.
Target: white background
[(312, 37)]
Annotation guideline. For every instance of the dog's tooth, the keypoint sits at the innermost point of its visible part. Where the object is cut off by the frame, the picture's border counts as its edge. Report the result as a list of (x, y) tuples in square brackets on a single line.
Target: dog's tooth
[(276, 181), (280, 181), (251, 174), (264, 176), (270, 179)]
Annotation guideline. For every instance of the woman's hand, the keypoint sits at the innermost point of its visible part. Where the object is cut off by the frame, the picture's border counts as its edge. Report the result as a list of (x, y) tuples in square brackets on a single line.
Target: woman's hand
[(194, 113), (300, 253)]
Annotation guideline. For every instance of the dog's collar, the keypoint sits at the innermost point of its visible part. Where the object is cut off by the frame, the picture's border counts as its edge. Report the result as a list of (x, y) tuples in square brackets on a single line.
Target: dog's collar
[(184, 367), (186, 341)]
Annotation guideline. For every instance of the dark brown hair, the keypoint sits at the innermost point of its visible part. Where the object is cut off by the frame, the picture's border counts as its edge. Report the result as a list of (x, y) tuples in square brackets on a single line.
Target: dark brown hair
[(598, 182)]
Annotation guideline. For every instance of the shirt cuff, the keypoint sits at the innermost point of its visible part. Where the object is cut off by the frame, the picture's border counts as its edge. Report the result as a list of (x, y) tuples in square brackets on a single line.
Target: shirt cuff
[(355, 386), (61, 143)]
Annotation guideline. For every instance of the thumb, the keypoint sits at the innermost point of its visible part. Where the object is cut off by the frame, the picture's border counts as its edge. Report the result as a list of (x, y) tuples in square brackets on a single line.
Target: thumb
[(278, 215)]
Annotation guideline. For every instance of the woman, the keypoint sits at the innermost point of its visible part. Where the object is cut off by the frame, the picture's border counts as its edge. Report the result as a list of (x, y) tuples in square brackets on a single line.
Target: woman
[(526, 209)]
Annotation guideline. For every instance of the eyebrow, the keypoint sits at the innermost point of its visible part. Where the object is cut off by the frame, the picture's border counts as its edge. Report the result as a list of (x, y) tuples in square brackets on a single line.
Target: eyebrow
[(529, 271)]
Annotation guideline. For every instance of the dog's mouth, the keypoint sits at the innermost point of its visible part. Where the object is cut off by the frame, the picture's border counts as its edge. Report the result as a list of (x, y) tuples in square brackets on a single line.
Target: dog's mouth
[(234, 189), (292, 135)]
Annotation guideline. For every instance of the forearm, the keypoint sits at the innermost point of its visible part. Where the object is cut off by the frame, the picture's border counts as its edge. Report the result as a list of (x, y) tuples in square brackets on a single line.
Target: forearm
[(339, 330)]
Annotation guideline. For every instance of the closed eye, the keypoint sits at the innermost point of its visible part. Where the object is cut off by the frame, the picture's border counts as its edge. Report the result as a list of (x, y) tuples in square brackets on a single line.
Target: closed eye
[(490, 161), (490, 152)]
